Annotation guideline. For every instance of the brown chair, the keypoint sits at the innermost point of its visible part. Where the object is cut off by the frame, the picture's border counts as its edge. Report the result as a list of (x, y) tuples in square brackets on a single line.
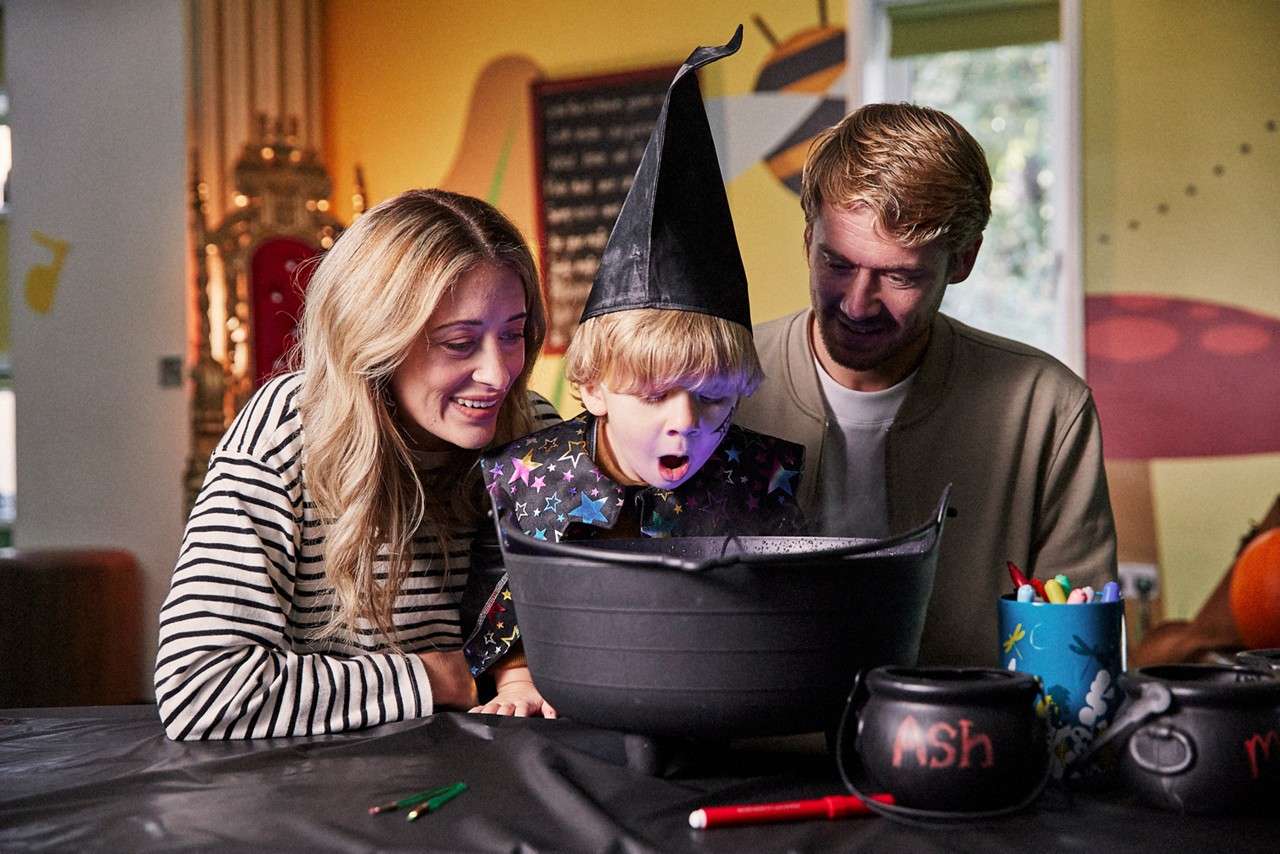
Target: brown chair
[(70, 627)]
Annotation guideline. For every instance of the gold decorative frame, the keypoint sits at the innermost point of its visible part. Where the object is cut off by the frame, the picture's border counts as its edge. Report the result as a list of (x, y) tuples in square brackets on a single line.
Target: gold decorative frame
[(281, 190)]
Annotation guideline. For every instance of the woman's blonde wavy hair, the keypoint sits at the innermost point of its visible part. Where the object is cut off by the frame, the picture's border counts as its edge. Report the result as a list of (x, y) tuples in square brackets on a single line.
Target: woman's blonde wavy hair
[(366, 304)]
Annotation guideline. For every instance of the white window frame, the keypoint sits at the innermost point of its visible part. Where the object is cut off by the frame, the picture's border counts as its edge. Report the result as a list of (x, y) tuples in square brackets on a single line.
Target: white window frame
[(867, 49)]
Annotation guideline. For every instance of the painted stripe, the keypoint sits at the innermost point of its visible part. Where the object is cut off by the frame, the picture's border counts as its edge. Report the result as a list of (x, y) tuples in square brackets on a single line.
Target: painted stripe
[(827, 113), (787, 70)]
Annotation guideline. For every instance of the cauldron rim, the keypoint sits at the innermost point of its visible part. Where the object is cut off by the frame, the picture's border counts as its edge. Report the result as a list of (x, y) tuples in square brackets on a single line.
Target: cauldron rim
[(1204, 685), (1266, 658), (951, 684), (895, 573), (917, 541)]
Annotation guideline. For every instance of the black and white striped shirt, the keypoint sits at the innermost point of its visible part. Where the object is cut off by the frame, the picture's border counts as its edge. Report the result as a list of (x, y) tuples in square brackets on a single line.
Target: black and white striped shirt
[(236, 658)]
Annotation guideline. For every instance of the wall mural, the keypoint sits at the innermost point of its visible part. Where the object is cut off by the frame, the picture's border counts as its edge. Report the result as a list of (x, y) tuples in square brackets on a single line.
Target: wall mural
[(42, 279), (1179, 377), (798, 91), (810, 62), (1192, 189), (494, 160)]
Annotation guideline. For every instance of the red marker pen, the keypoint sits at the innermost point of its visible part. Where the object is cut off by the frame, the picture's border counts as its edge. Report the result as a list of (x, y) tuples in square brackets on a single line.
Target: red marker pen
[(1016, 575), (1039, 588), (832, 806)]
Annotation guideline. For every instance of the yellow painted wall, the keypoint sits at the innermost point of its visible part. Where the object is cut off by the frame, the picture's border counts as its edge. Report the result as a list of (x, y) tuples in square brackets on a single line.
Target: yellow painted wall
[(1173, 89), (399, 77)]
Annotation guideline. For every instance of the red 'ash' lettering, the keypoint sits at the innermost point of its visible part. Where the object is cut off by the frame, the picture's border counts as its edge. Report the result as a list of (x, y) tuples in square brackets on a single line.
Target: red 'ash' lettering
[(967, 744), (948, 757), (936, 747), (1257, 742), (908, 738)]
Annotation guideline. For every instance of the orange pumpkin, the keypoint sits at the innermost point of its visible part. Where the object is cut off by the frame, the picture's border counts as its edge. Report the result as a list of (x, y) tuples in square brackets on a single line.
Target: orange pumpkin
[(1255, 591)]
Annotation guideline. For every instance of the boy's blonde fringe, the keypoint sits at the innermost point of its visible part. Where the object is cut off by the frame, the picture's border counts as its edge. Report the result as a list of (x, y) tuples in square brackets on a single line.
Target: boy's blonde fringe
[(653, 350)]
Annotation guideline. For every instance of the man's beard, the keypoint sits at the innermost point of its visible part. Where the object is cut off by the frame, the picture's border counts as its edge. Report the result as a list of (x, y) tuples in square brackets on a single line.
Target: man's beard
[(838, 331)]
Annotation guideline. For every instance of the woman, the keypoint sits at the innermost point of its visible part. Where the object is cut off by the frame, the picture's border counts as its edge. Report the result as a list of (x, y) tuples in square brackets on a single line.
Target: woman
[(321, 573)]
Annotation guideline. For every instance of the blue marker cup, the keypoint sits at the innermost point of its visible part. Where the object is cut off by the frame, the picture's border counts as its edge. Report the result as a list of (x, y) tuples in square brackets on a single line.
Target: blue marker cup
[(1077, 653)]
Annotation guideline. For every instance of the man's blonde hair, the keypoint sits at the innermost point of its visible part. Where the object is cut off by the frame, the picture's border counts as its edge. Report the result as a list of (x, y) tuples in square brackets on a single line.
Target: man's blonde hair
[(922, 174), (650, 350), (366, 305)]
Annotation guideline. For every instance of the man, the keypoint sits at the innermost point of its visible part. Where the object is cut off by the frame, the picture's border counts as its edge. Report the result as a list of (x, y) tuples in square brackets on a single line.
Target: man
[(894, 400)]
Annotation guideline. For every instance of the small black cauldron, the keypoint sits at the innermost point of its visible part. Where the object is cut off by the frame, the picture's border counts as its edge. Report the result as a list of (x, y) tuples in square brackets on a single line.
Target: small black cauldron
[(951, 739), (1201, 738), (1261, 659)]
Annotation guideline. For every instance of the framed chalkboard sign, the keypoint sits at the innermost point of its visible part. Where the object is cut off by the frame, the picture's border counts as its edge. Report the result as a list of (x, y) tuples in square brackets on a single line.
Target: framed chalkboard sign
[(589, 136)]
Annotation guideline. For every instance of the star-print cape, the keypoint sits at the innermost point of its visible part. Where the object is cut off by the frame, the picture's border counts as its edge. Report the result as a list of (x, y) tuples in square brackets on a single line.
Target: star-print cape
[(551, 485)]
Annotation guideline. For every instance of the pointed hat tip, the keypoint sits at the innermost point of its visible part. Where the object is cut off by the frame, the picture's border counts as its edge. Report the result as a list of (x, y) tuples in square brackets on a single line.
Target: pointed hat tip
[(735, 42), (709, 53)]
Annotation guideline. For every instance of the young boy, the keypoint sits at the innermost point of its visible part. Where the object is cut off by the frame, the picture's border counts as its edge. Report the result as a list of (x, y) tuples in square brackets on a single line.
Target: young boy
[(660, 359)]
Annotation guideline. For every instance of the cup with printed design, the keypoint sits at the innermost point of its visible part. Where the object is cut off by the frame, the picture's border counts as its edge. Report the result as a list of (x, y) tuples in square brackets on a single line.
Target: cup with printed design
[(1076, 651)]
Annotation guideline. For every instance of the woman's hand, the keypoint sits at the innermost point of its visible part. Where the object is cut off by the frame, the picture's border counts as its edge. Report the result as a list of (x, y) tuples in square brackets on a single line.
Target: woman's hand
[(451, 683), (517, 695)]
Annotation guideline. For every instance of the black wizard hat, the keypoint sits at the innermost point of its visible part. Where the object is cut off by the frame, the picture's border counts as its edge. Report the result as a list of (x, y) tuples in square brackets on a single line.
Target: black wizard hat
[(673, 246)]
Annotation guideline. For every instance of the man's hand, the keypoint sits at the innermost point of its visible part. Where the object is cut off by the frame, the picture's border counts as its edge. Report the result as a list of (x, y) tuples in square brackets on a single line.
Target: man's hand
[(451, 684), (516, 696)]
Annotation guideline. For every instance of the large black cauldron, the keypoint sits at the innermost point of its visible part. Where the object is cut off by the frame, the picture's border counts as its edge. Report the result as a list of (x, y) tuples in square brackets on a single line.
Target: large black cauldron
[(717, 637)]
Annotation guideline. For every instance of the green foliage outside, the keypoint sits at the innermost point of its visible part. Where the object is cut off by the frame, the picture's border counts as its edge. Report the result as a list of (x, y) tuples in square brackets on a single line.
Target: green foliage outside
[(1002, 96)]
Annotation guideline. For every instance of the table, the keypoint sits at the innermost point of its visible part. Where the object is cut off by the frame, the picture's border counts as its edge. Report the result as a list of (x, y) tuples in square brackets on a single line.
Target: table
[(107, 778)]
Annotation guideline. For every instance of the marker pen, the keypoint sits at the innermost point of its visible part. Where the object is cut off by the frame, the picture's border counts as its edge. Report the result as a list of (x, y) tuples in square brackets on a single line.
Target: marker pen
[(1038, 586), (1015, 574), (1054, 593), (830, 807)]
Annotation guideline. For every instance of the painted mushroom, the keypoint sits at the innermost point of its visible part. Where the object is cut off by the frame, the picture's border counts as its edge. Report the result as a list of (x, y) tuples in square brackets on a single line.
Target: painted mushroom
[(1176, 378), (1183, 378)]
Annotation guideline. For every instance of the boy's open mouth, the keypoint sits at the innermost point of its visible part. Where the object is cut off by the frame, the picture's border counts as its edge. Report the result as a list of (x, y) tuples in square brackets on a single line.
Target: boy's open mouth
[(673, 467)]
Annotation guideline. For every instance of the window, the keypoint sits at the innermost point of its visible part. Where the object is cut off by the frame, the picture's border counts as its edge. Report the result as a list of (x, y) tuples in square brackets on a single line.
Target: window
[(1000, 68), (8, 443), (8, 475)]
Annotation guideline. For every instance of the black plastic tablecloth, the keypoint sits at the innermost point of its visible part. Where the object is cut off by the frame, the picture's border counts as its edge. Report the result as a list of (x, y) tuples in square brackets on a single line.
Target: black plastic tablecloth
[(107, 778)]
